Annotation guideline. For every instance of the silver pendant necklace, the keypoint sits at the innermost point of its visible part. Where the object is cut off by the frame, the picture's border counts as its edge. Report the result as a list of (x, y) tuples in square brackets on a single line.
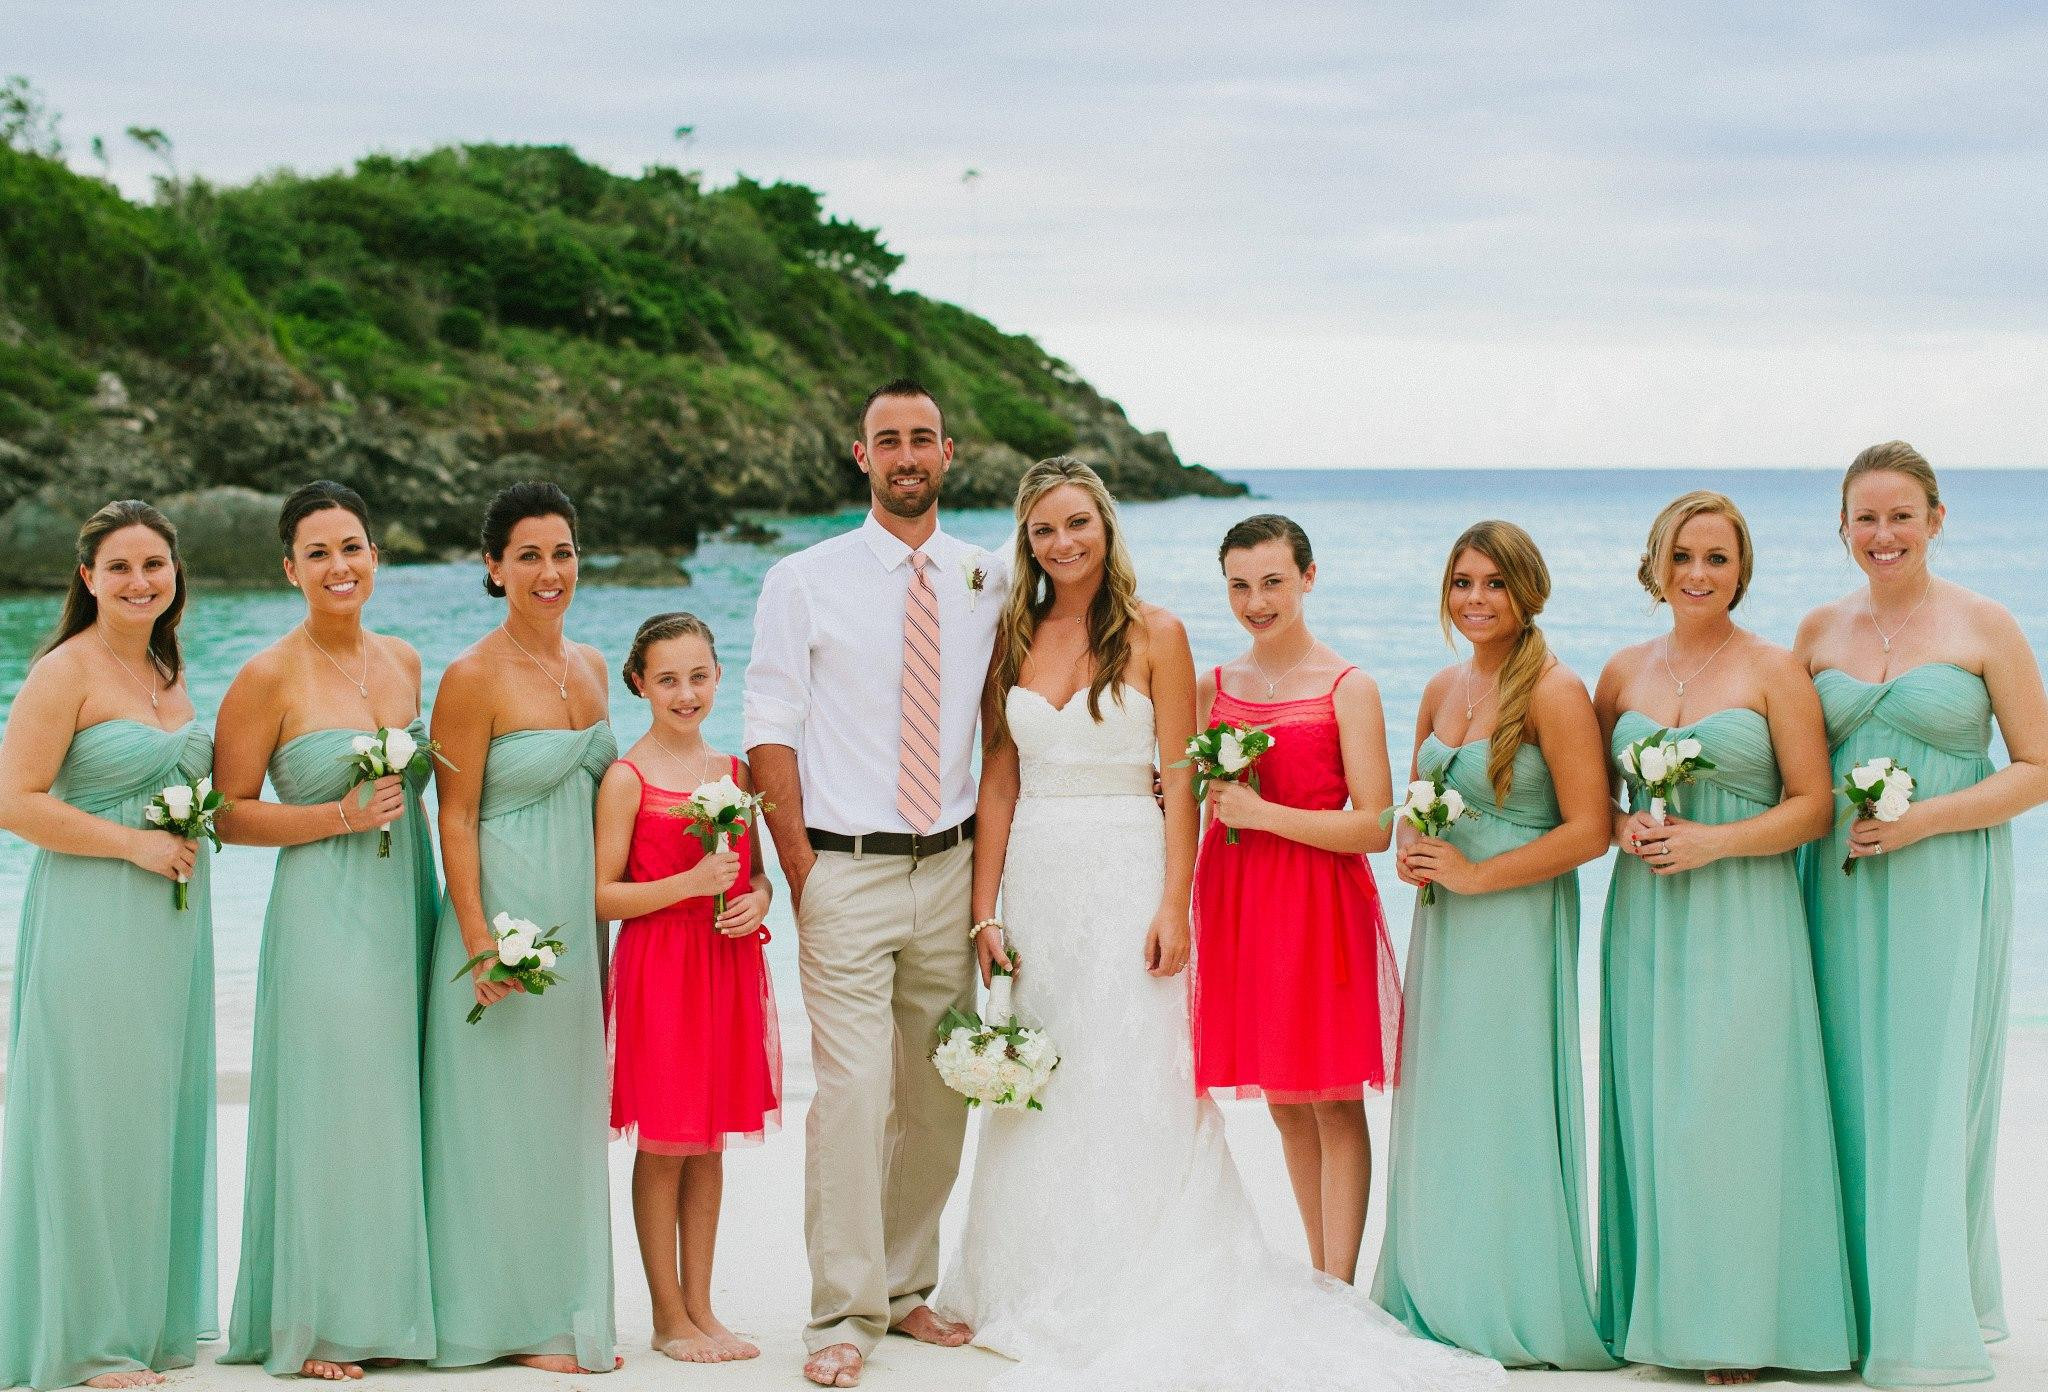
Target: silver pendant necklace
[(1273, 683), (362, 683), (1470, 704), (561, 685), (1870, 608), (1664, 655), (148, 691)]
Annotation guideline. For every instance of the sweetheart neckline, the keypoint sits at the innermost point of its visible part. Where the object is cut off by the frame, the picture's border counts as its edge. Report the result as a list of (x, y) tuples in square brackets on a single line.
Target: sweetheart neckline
[(1079, 692), (1851, 676)]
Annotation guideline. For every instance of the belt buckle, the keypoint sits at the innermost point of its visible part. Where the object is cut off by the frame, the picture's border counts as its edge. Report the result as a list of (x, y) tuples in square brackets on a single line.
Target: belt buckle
[(916, 849)]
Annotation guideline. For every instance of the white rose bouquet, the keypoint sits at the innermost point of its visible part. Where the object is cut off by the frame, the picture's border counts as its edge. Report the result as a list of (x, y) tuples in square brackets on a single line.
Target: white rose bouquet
[(384, 753), (522, 954), (187, 810), (718, 811), (1879, 789), (1225, 753), (992, 1058), (1660, 763), (1429, 807)]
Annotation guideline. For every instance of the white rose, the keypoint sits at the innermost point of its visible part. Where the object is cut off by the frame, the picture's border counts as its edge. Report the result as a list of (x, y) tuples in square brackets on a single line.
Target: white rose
[(1454, 803), (1892, 804), (1628, 760), (1900, 779), (1654, 763), (514, 948), (1863, 775), (1883, 761), (399, 747), (718, 795), (153, 814), (1688, 748), (363, 744), (546, 955), (1230, 754), (1421, 793), (178, 798)]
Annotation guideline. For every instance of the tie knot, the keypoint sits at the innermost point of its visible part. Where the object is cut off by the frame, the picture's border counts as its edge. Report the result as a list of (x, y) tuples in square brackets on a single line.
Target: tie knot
[(918, 560)]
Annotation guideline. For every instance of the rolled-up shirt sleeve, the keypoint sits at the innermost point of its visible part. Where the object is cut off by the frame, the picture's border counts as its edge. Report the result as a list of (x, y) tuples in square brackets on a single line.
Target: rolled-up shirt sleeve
[(779, 672)]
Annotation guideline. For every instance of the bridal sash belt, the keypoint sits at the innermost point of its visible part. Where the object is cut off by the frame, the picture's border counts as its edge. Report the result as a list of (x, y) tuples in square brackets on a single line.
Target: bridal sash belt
[(1038, 780)]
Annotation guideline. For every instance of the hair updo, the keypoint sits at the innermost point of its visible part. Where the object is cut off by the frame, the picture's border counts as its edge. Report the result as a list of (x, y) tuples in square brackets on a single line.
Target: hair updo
[(510, 506), (1264, 527), (660, 629), (1893, 457), (318, 496), (1663, 542)]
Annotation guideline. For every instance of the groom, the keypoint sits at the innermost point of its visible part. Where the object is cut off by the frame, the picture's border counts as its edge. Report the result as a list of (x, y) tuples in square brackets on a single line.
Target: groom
[(869, 654)]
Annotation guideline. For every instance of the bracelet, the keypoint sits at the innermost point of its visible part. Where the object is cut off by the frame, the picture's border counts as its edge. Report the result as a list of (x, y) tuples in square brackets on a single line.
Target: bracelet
[(974, 933), (342, 813)]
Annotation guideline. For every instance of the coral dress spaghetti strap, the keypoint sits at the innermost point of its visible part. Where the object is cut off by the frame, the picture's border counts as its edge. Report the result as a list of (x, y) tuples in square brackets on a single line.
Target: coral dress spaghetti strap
[(1295, 996), (696, 1057)]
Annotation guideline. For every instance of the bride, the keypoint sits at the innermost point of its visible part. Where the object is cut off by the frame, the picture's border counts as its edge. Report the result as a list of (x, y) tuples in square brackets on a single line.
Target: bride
[(1109, 1243)]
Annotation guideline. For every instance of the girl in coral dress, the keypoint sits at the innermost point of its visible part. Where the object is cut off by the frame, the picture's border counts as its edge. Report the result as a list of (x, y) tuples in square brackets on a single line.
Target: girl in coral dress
[(696, 1062), (1295, 994)]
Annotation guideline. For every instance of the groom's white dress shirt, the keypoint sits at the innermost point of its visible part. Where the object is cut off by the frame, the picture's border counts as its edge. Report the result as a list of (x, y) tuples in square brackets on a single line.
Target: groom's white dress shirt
[(827, 671)]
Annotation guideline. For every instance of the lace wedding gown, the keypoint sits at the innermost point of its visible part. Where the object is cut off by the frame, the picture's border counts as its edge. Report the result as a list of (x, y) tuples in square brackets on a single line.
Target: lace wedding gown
[(1109, 1242)]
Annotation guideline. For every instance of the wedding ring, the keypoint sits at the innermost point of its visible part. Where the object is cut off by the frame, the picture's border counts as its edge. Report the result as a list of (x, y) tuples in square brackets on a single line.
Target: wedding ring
[(1877, 848)]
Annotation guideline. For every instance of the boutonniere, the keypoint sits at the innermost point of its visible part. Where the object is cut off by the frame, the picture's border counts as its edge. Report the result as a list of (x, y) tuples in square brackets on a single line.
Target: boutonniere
[(975, 575)]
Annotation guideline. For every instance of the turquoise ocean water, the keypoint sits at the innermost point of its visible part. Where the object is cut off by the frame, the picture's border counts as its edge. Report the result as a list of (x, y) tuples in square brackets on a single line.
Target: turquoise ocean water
[(1380, 537)]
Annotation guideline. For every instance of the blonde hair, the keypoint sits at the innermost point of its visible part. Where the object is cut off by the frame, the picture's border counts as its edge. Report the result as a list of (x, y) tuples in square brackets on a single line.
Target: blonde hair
[(1892, 457), (1527, 579), (1112, 615), (1657, 552)]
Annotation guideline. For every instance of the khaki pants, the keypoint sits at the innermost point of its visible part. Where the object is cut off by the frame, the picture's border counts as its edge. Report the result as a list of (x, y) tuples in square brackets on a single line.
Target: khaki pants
[(883, 953)]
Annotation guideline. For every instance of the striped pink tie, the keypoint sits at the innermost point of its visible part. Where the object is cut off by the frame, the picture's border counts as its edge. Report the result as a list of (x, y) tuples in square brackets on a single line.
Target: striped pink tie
[(917, 763)]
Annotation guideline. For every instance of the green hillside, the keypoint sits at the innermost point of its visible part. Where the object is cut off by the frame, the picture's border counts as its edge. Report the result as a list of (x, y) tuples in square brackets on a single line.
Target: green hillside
[(429, 327)]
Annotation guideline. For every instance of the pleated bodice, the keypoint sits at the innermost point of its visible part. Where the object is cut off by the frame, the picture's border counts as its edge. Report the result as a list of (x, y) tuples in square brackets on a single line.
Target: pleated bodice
[(1532, 797), (1744, 779), (114, 768), (527, 766), (315, 766)]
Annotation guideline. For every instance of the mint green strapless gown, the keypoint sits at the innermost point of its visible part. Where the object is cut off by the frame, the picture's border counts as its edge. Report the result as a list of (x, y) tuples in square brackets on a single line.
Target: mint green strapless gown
[(1720, 1214), (334, 1220), (1911, 956), (518, 1104), (1486, 1224), (106, 1169)]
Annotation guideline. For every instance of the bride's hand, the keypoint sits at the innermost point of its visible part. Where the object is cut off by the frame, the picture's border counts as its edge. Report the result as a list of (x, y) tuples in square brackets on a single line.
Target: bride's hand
[(989, 949), (1166, 943)]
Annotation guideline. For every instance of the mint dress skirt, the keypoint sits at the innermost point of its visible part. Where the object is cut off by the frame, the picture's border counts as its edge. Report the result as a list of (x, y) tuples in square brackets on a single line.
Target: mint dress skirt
[(334, 1219), (1720, 1214), (517, 1106), (1911, 955), (1486, 1213), (106, 1167)]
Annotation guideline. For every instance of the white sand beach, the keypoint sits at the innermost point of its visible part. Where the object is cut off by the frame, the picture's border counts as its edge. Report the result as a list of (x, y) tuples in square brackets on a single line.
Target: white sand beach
[(762, 1286)]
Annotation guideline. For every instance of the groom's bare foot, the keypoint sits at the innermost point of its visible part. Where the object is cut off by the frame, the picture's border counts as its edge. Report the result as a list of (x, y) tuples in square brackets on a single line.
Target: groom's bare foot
[(835, 1365), (924, 1325)]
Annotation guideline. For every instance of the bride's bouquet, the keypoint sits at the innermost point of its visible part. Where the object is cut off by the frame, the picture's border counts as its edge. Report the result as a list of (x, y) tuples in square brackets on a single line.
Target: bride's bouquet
[(993, 1058), (1225, 753), (523, 955), (1660, 763), (383, 753), (1429, 807), (187, 810), (1879, 789), (718, 811)]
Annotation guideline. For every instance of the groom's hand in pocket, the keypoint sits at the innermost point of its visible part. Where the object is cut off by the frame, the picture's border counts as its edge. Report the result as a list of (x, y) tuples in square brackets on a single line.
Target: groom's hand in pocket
[(797, 874)]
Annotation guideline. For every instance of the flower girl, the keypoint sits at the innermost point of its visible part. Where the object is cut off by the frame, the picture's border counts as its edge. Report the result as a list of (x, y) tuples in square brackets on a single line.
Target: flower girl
[(695, 1055)]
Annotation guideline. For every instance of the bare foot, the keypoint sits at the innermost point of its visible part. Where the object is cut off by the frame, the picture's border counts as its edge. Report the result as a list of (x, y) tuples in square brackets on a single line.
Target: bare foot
[(835, 1365), (923, 1325), (559, 1363), (333, 1372), (1729, 1377), (138, 1377), (735, 1347), (694, 1347)]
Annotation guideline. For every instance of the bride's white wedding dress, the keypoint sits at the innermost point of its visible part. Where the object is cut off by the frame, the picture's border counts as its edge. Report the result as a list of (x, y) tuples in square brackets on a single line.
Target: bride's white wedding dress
[(1109, 1242)]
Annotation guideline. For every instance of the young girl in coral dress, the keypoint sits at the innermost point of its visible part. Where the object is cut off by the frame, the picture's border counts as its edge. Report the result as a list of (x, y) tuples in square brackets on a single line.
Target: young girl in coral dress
[(1295, 994), (696, 1061)]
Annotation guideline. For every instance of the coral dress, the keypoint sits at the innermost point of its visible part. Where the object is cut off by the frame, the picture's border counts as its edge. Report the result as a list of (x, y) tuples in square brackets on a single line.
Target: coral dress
[(696, 1056), (1295, 996)]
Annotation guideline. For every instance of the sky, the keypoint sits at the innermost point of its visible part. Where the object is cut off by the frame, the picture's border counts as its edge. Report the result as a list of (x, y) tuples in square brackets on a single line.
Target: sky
[(1289, 234)]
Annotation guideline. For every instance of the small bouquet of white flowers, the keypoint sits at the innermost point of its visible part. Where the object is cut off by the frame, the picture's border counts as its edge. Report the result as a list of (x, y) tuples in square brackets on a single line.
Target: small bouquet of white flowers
[(1879, 789), (384, 753), (1429, 807), (523, 955), (187, 810), (718, 811), (1660, 763), (991, 1057), (1225, 753)]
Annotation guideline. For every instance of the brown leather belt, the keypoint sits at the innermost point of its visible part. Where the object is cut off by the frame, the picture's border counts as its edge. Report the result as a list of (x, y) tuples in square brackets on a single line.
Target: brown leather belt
[(893, 843)]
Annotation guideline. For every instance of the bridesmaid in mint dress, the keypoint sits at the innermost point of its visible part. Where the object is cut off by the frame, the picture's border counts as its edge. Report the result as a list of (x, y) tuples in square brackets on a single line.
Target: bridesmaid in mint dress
[(1911, 950), (106, 1167), (1486, 1234), (517, 1105), (1720, 1217), (334, 1255)]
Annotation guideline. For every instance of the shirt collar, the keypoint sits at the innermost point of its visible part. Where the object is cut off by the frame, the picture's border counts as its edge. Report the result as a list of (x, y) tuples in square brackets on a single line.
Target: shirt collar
[(890, 550)]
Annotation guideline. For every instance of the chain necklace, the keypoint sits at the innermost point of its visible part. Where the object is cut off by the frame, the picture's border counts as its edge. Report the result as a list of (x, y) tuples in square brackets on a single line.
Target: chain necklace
[(148, 691), (1870, 608), (1273, 683), (1470, 704), (362, 683), (561, 685), (681, 762), (1664, 655)]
